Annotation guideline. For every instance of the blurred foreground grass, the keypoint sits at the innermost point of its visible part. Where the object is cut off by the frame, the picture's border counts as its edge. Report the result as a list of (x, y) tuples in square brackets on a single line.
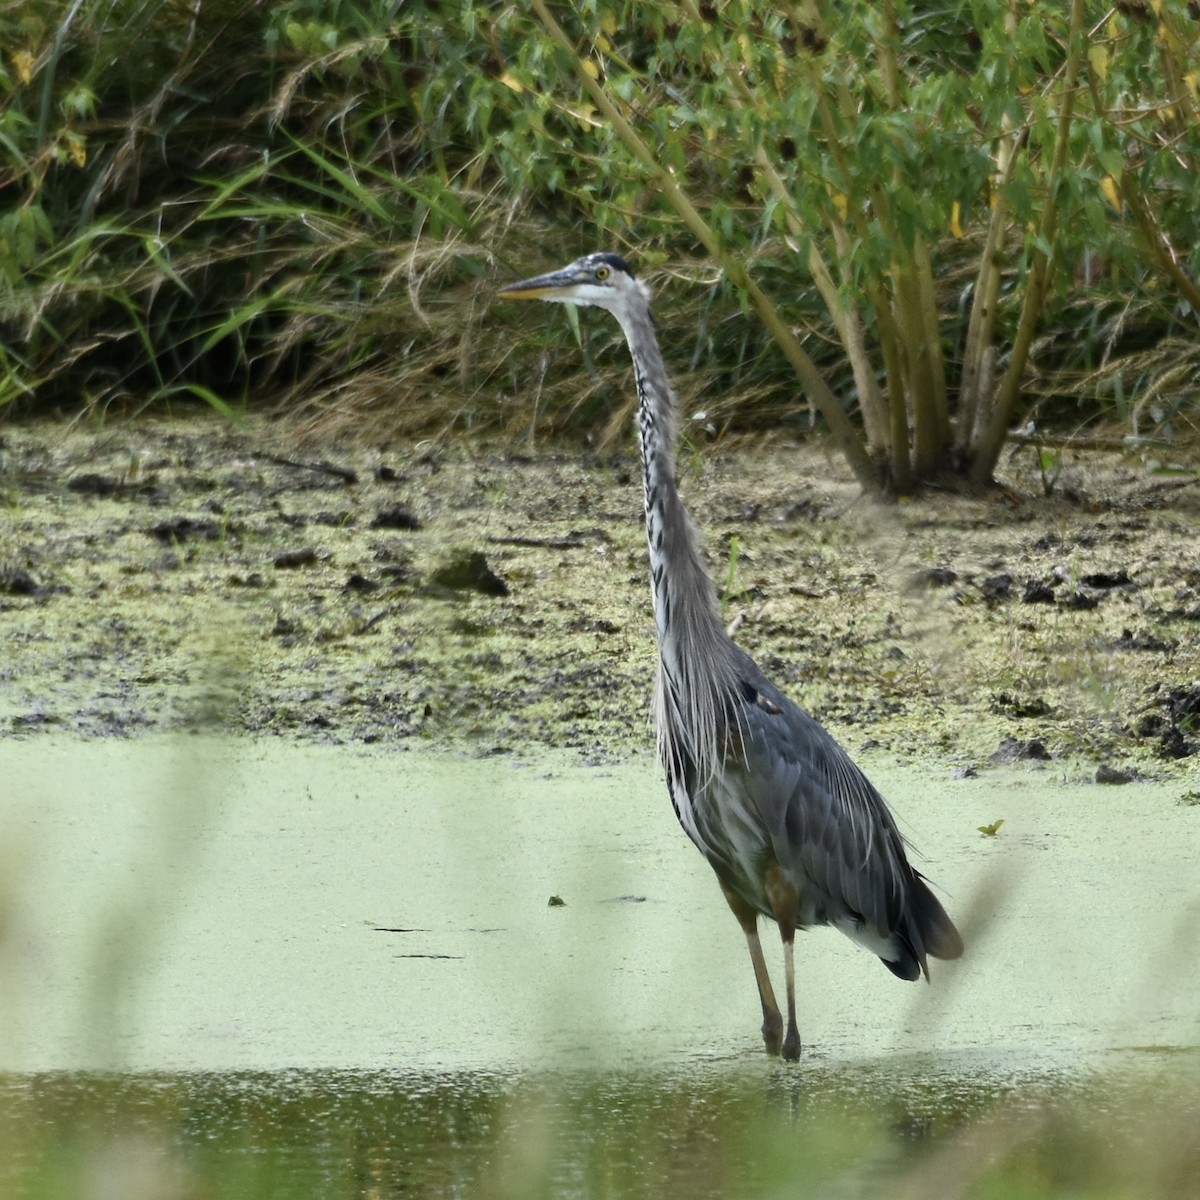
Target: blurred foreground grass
[(725, 1129)]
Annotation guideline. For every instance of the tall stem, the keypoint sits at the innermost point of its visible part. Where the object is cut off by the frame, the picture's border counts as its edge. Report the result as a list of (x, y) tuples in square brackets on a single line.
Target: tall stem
[(995, 430), (842, 428)]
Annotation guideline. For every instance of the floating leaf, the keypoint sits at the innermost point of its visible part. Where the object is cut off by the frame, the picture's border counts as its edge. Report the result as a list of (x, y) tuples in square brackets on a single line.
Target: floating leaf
[(992, 829)]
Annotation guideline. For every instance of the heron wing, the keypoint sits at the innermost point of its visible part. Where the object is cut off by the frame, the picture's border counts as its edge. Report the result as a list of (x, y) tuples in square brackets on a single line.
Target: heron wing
[(786, 790), (825, 820)]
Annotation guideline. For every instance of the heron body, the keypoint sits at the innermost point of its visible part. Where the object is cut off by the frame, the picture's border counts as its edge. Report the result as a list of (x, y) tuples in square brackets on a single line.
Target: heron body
[(792, 828)]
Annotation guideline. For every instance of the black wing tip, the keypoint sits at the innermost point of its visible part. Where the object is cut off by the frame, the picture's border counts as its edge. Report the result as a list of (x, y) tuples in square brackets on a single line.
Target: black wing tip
[(906, 966), (927, 933)]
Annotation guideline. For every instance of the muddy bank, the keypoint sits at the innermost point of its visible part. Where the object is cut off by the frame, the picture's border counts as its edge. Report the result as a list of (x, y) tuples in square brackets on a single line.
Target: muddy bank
[(185, 572)]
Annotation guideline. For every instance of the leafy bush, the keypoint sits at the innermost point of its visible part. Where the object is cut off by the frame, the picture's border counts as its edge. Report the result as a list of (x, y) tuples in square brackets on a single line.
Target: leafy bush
[(966, 206), (906, 146)]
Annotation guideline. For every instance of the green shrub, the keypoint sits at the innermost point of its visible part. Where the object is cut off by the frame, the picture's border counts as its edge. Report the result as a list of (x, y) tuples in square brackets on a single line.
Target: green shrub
[(968, 208)]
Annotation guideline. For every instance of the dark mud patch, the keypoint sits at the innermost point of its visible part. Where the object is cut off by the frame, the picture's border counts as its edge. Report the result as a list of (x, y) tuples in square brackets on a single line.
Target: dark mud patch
[(186, 572)]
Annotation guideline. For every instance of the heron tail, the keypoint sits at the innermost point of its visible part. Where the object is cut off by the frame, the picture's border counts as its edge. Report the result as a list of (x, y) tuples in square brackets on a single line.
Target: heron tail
[(927, 932)]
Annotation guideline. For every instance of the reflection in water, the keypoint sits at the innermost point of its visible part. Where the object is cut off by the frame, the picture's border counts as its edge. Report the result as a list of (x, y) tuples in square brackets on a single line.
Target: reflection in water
[(719, 1128)]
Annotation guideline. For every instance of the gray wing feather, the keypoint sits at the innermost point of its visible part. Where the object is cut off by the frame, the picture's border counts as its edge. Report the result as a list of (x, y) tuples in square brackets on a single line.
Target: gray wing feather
[(822, 813), (784, 789)]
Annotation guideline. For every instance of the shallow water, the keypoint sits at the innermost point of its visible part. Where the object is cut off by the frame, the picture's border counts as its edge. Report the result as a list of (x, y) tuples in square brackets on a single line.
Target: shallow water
[(346, 961)]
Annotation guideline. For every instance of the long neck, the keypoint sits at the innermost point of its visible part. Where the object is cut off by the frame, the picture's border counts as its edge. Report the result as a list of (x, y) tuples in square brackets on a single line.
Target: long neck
[(682, 592), (696, 655)]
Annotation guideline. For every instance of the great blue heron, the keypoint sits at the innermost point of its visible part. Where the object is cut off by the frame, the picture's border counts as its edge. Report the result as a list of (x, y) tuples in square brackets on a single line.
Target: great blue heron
[(794, 830)]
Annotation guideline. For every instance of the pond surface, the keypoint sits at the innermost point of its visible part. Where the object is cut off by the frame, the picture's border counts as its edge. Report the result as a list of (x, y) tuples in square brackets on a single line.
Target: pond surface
[(315, 964)]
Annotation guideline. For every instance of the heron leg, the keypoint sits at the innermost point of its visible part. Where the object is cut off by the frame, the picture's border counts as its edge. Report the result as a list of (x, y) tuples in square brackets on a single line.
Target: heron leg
[(785, 904), (772, 1026)]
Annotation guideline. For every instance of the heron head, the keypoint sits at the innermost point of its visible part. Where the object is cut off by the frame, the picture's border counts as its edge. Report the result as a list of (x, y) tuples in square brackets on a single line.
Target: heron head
[(600, 280)]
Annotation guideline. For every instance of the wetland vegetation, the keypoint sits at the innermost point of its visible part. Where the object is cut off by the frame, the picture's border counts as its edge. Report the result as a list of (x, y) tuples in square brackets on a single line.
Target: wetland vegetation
[(324, 605)]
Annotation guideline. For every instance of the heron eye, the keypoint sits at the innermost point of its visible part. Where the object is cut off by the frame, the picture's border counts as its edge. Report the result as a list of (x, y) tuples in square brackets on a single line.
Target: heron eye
[(602, 273)]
